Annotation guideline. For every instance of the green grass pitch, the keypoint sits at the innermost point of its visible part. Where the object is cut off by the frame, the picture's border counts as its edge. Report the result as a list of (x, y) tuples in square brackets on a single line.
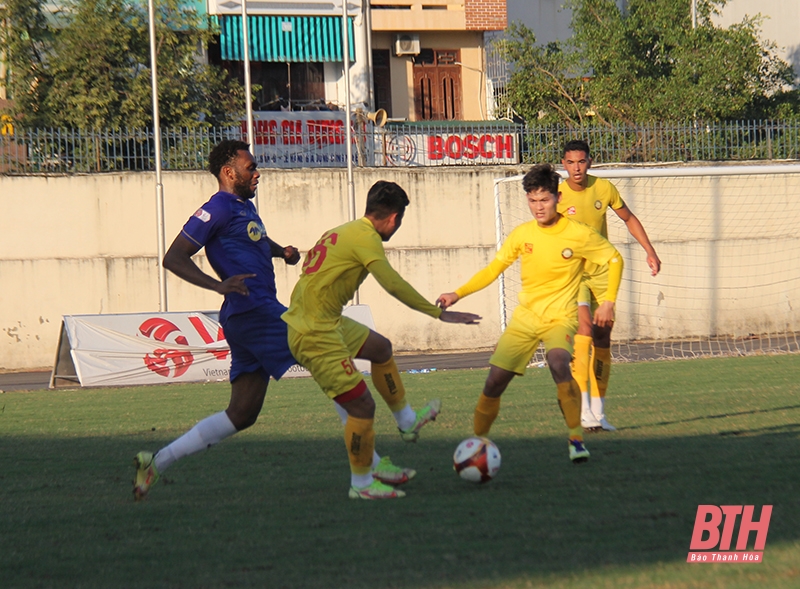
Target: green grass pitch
[(269, 507)]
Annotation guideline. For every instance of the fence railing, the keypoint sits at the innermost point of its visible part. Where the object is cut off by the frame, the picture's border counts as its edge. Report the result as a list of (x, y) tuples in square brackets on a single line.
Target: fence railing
[(44, 151)]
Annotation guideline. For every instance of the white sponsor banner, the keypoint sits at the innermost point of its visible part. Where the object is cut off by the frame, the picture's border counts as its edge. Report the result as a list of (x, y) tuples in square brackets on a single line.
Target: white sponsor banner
[(147, 348), (159, 348), (311, 139), (447, 149)]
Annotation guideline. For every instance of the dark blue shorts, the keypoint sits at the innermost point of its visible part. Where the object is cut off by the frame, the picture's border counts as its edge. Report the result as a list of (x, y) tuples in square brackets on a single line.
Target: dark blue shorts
[(258, 344)]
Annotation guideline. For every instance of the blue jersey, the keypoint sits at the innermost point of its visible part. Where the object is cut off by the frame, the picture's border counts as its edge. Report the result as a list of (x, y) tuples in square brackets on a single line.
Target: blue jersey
[(236, 243)]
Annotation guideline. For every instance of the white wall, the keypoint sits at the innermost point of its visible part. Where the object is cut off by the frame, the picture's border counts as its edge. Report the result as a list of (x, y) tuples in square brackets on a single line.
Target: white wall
[(87, 245)]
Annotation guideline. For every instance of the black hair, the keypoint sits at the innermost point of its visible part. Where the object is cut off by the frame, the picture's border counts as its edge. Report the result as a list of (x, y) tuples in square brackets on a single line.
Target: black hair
[(385, 198), (541, 176), (576, 145), (224, 153)]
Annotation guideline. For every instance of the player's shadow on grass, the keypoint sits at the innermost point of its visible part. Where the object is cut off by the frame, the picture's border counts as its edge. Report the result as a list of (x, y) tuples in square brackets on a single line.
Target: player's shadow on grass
[(706, 417), (261, 512)]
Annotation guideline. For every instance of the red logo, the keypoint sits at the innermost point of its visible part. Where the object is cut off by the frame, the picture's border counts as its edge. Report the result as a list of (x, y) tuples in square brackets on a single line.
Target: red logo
[(163, 361), (708, 520), (571, 211), (528, 248)]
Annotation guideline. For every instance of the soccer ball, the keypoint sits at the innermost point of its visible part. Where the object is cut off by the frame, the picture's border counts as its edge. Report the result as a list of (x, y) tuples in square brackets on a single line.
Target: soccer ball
[(477, 460)]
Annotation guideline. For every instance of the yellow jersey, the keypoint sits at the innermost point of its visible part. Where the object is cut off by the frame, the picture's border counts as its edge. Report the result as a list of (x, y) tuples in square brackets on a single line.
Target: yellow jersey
[(589, 205), (552, 261), (334, 269)]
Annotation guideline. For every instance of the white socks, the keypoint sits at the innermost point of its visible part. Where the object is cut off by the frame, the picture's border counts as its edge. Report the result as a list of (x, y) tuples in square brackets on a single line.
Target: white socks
[(598, 407), (405, 418), (585, 403), (211, 430)]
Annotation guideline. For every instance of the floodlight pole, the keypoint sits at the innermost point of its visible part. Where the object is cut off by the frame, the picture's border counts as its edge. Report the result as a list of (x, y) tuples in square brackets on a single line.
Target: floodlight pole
[(162, 274), (248, 86), (351, 192)]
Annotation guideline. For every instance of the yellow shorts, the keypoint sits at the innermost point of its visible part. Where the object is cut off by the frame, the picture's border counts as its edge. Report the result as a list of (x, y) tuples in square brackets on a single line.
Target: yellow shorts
[(519, 341), (594, 286), (328, 355)]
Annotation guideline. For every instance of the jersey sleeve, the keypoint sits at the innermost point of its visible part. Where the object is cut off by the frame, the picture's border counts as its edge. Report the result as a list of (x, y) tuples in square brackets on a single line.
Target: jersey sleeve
[(396, 286), (206, 222), (615, 200)]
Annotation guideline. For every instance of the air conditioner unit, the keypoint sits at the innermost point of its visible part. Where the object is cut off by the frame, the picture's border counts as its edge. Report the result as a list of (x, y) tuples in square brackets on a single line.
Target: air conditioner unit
[(406, 44)]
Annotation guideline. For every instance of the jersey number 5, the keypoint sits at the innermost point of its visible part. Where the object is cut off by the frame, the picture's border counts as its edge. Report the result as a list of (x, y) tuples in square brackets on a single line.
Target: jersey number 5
[(316, 255)]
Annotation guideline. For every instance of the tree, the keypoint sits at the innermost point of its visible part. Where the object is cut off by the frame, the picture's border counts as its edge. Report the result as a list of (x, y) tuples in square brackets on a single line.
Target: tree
[(88, 65), (648, 64)]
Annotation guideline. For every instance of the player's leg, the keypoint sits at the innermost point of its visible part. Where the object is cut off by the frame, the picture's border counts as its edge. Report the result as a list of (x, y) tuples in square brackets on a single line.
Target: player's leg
[(247, 397), (488, 407), (327, 357), (258, 349), (558, 339), (382, 467), (600, 373), (511, 356), (386, 379), (582, 355)]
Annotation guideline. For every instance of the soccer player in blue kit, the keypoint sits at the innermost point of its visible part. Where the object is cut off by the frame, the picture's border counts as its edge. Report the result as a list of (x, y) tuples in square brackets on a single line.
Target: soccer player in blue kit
[(240, 253)]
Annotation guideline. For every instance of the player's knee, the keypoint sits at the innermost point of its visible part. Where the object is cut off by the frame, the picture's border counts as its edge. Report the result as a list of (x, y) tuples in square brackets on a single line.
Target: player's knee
[(559, 363), (242, 418), (361, 406), (601, 336)]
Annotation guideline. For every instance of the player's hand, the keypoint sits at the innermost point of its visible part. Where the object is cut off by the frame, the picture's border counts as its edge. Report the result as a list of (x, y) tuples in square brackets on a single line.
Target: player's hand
[(459, 317), (654, 263), (604, 315), (447, 299), (235, 284), (291, 255)]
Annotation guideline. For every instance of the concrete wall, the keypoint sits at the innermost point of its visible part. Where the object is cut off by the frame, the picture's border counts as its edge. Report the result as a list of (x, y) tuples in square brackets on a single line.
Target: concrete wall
[(88, 244)]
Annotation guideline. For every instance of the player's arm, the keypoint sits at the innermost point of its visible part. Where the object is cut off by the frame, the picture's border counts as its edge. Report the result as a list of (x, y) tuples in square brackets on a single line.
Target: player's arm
[(396, 286), (479, 281), (604, 315), (637, 230), (178, 260), (289, 254)]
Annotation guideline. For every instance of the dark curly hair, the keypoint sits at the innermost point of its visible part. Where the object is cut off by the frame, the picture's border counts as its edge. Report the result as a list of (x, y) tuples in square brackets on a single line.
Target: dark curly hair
[(224, 153), (541, 176)]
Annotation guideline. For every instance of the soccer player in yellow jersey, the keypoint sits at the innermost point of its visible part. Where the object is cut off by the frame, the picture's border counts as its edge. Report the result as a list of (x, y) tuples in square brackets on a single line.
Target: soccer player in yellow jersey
[(325, 342), (586, 198), (552, 250)]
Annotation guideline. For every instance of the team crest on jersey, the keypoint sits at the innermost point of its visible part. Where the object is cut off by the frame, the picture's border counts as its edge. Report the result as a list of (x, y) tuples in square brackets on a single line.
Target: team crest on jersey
[(255, 230), (571, 211), (528, 248), (203, 215), (566, 253), (598, 205)]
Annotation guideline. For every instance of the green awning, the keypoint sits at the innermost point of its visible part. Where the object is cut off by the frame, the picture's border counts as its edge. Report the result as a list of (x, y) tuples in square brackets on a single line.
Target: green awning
[(286, 38)]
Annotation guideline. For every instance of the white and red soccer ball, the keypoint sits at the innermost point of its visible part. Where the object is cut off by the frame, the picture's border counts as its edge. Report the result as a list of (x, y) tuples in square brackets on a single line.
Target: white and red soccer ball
[(477, 460)]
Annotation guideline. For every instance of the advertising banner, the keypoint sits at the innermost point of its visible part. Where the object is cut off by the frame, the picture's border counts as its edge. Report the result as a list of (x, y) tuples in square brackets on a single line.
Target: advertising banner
[(154, 348), (313, 139), (407, 146)]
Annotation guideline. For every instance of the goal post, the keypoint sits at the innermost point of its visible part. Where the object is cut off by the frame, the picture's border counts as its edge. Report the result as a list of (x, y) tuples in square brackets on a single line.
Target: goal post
[(729, 241)]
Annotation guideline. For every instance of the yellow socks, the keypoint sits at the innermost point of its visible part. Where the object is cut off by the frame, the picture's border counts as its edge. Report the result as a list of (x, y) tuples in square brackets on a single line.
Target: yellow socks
[(485, 413), (569, 400), (359, 437), (386, 379), (580, 364), (601, 364)]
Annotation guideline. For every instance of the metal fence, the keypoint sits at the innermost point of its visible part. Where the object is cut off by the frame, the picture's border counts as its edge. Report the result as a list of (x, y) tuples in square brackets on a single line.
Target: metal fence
[(44, 151)]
